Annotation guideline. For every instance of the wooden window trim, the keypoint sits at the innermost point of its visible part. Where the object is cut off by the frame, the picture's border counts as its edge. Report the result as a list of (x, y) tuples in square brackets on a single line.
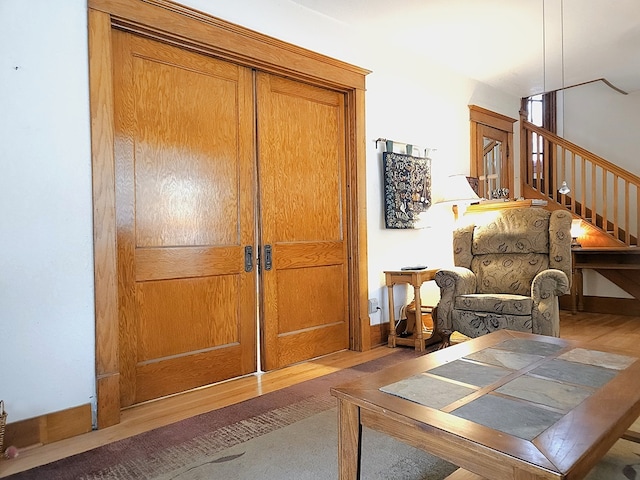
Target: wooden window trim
[(188, 28)]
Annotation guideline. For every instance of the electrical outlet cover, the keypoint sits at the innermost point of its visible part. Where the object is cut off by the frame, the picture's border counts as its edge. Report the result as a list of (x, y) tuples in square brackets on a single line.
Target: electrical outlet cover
[(373, 305)]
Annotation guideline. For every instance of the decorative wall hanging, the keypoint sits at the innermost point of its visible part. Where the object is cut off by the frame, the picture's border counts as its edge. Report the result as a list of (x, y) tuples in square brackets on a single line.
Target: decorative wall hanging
[(407, 188)]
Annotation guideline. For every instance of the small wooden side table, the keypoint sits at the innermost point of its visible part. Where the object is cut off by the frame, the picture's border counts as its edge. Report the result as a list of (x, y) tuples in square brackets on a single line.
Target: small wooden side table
[(415, 278)]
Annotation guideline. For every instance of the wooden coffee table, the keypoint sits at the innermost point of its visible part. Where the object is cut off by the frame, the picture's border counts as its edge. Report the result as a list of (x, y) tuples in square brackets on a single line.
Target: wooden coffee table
[(507, 405)]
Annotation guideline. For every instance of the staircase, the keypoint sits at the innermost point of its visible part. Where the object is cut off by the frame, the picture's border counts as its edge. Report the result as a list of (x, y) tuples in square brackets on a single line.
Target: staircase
[(604, 196)]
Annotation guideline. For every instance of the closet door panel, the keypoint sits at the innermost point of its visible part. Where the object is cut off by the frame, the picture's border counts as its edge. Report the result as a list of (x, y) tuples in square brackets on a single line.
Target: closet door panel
[(301, 164), (314, 288), (185, 210)]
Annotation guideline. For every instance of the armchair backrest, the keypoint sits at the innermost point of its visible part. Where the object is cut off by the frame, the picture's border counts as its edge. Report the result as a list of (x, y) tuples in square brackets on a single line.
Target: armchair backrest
[(506, 249)]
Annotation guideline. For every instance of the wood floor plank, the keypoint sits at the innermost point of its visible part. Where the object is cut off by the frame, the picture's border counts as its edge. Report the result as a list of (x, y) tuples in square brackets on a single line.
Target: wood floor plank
[(462, 474)]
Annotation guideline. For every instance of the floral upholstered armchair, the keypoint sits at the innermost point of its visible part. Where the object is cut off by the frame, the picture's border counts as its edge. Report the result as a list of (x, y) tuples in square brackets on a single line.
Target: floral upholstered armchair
[(509, 273)]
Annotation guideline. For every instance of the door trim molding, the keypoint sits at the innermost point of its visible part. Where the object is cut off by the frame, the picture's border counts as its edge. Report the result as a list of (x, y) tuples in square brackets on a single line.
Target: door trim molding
[(181, 26), (481, 116)]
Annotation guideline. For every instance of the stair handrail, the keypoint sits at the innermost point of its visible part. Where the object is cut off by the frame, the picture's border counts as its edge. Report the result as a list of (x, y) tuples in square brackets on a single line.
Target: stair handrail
[(568, 158), (612, 167)]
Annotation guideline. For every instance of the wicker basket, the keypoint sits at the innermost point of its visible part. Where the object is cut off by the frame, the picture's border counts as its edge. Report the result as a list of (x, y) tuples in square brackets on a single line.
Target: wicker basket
[(3, 423)]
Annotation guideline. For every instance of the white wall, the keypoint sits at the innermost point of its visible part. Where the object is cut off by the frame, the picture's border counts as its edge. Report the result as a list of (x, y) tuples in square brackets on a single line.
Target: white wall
[(46, 264), (604, 122)]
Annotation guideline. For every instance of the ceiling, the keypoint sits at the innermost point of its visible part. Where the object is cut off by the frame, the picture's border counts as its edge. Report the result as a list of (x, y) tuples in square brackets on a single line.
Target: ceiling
[(523, 47)]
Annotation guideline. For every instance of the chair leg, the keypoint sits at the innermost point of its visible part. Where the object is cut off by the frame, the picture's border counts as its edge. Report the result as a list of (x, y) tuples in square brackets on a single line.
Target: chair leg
[(446, 340), (444, 336)]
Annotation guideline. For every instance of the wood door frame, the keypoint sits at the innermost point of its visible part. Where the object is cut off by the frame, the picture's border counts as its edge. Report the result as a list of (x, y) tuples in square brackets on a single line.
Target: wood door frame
[(188, 28), (481, 116)]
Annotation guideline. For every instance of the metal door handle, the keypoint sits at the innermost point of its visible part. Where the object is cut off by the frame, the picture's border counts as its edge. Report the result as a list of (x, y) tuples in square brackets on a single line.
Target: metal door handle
[(248, 258), (267, 257)]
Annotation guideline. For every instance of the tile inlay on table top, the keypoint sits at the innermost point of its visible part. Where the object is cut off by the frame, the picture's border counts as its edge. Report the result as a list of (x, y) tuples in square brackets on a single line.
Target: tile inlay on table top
[(553, 394), (594, 357), (504, 358), (427, 390), (471, 373), (516, 418), (533, 347), (527, 380), (576, 373)]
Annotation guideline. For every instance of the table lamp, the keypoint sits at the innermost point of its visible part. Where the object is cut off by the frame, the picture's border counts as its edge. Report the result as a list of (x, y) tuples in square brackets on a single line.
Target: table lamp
[(454, 190), (576, 231)]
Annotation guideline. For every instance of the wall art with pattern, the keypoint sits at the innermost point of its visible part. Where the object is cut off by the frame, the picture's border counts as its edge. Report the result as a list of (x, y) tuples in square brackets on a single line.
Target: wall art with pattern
[(407, 188)]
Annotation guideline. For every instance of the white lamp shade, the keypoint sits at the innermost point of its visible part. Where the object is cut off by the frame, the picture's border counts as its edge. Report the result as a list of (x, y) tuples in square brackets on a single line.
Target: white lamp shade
[(576, 228), (453, 190)]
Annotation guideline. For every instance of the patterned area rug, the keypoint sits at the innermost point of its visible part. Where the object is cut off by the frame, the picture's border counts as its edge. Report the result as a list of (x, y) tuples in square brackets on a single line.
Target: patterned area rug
[(292, 431), (290, 434)]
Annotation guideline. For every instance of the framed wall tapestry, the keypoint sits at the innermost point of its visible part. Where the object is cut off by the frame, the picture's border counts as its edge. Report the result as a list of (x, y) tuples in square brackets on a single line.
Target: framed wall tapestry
[(407, 188)]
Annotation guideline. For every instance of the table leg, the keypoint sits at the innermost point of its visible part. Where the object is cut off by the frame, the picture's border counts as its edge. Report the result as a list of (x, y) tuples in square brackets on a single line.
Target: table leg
[(418, 334), (392, 318), (349, 441), (574, 291), (579, 286)]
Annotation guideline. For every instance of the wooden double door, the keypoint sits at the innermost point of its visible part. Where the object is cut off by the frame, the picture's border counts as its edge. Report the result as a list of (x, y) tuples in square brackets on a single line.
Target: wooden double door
[(230, 217)]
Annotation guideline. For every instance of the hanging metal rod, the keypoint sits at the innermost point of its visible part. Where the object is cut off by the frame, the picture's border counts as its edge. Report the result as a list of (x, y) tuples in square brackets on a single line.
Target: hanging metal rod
[(413, 145), (604, 80)]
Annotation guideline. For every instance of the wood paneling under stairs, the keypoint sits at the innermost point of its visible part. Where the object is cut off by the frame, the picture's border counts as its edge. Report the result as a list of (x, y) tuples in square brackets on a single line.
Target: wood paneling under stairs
[(620, 265), (601, 329)]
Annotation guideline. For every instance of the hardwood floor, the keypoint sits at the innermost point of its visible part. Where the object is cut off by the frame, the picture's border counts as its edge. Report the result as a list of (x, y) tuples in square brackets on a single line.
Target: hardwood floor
[(601, 329), (620, 331)]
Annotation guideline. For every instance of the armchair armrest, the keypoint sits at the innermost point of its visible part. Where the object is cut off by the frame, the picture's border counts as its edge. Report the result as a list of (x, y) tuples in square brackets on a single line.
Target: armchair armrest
[(452, 281), (545, 288), (549, 283)]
